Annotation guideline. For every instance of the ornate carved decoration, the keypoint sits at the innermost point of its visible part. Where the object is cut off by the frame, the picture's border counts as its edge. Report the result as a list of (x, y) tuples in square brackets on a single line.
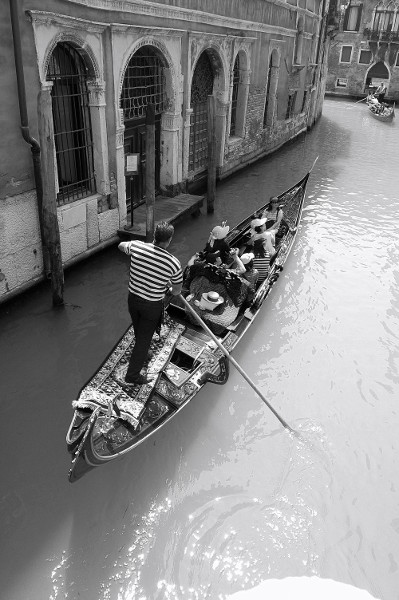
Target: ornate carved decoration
[(97, 93)]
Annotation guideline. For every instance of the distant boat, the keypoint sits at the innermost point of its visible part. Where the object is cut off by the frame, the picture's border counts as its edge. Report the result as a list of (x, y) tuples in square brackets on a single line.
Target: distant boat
[(111, 418), (387, 114)]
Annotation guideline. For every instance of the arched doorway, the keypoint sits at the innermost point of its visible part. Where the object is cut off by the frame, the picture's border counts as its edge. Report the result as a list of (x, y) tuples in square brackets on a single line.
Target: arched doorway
[(376, 74), (143, 83), (201, 88)]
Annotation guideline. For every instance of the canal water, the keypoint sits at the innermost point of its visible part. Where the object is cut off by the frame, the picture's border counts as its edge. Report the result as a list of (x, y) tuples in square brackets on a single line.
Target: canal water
[(222, 498)]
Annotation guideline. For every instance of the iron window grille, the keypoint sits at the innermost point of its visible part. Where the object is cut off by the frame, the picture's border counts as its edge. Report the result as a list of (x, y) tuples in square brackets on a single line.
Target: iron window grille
[(72, 124), (144, 83), (234, 99), (201, 88)]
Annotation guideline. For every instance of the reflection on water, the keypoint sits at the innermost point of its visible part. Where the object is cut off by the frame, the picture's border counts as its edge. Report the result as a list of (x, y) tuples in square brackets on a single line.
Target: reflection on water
[(223, 498)]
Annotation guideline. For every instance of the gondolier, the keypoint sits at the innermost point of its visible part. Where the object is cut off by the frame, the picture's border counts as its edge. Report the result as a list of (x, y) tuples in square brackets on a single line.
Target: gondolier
[(380, 92), (152, 270)]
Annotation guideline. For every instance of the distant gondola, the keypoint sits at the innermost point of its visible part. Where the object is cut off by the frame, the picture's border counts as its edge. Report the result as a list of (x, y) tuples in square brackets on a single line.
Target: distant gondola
[(111, 418), (386, 114)]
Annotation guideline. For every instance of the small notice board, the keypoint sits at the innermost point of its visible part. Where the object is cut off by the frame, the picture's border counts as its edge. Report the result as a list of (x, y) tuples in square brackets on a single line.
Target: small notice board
[(132, 163)]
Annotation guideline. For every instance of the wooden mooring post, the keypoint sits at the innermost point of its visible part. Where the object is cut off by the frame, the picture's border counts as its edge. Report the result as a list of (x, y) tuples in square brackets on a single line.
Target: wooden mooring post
[(150, 171), (49, 216), (211, 183)]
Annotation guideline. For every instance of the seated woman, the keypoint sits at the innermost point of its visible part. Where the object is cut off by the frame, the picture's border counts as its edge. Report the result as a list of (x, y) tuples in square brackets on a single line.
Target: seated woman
[(261, 260), (275, 221), (271, 212), (251, 274), (204, 279), (216, 244), (258, 233)]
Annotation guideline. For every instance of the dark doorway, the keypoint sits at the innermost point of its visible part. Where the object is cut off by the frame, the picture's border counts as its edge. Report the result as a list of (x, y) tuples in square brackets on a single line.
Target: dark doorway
[(134, 141)]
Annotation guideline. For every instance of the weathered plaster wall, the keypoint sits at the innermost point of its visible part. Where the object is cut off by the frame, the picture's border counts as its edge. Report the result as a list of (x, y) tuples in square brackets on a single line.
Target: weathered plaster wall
[(21, 259)]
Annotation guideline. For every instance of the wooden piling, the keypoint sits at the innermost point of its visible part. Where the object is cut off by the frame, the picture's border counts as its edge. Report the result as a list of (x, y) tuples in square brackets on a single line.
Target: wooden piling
[(49, 216), (211, 182), (150, 171)]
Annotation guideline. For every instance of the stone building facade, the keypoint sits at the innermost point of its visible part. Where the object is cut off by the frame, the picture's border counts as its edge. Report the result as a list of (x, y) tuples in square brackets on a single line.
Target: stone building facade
[(365, 49), (90, 67)]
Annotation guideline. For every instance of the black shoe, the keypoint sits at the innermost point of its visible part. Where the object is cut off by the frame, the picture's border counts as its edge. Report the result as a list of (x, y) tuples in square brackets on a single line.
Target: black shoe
[(139, 380)]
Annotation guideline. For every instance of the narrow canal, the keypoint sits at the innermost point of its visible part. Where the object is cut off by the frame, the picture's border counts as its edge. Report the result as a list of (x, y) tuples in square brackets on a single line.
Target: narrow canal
[(222, 498)]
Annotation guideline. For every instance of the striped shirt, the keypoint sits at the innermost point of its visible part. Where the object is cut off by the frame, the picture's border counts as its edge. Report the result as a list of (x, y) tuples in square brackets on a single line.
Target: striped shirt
[(151, 270), (262, 265)]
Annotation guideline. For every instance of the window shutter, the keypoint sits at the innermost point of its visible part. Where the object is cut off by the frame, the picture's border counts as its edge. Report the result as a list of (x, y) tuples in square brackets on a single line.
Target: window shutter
[(346, 18), (359, 16)]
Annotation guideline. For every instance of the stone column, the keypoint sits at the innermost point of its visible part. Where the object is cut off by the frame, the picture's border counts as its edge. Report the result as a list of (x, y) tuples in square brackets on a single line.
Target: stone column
[(99, 133), (186, 141), (222, 108), (171, 163), (242, 102), (120, 167)]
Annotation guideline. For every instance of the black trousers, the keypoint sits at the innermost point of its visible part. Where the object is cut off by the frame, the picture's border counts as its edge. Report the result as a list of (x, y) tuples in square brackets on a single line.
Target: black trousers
[(145, 318)]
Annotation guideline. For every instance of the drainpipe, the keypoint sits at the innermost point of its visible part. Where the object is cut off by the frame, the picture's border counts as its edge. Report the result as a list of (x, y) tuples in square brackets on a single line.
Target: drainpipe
[(35, 147)]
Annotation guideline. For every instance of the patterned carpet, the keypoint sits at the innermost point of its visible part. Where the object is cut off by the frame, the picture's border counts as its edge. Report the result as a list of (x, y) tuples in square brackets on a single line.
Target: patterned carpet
[(108, 390)]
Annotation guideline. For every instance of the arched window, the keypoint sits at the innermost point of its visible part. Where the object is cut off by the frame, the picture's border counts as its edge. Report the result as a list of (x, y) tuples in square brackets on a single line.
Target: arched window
[(389, 17), (395, 24), (72, 124), (234, 97), (271, 89), (201, 88), (379, 17)]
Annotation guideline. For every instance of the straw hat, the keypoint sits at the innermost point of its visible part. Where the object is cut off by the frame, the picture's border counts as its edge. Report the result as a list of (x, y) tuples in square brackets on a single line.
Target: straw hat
[(210, 300), (247, 257), (219, 232), (258, 222)]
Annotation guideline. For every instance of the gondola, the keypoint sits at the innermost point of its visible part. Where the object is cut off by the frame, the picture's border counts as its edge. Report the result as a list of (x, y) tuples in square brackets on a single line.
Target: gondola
[(111, 418), (386, 115)]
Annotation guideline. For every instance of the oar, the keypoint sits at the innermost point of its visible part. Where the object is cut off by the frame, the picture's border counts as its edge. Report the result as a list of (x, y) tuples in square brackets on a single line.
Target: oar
[(362, 100), (235, 363)]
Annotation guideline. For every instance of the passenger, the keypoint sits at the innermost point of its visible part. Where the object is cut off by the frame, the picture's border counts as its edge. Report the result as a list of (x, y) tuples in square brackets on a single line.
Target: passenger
[(235, 263), (251, 274), (271, 211), (280, 225), (258, 232), (216, 244), (261, 260)]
